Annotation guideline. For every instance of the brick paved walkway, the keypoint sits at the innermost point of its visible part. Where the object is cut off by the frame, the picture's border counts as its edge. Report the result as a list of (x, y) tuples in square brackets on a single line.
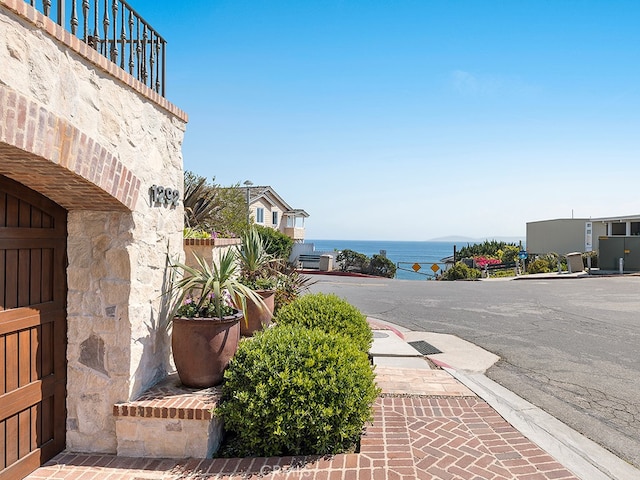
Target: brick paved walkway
[(412, 437)]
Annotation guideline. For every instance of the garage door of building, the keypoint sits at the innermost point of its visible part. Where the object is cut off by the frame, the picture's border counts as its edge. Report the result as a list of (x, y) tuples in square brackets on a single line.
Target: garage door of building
[(32, 329)]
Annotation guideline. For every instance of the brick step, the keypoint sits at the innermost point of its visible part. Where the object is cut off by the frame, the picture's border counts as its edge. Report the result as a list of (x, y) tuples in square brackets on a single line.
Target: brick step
[(170, 421)]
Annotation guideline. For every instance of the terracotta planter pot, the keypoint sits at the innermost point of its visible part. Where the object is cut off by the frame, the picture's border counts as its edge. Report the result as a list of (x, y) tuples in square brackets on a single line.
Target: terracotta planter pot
[(203, 347), (257, 318)]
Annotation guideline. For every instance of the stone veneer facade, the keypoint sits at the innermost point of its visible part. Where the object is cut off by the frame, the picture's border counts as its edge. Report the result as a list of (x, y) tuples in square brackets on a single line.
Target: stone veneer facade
[(79, 130)]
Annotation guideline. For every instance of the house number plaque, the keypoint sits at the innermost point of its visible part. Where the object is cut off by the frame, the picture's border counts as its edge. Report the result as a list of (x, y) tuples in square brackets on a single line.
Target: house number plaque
[(164, 195)]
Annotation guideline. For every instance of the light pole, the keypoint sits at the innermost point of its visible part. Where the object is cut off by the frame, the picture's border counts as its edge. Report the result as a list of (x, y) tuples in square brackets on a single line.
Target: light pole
[(248, 184)]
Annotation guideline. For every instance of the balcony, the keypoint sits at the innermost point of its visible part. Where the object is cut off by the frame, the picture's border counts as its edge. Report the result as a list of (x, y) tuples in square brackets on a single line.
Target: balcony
[(295, 233), (114, 30)]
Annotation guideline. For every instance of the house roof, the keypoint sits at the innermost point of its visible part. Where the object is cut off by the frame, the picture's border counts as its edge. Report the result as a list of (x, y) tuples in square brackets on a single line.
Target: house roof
[(269, 194), (622, 218)]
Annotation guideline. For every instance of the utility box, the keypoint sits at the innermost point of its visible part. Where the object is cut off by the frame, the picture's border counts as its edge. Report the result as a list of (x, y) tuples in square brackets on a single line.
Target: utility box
[(326, 263), (574, 262)]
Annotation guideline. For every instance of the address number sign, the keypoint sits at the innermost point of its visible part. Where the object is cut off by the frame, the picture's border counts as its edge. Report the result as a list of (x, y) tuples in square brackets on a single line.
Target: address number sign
[(164, 195)]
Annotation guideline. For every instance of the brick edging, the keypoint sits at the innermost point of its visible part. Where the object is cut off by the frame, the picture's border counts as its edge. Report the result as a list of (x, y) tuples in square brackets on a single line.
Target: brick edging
[(169, 399), (211, 242), (148, 411)]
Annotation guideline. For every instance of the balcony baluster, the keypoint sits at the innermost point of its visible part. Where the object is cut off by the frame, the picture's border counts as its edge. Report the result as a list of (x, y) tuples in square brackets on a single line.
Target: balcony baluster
[(104, 47), (152, 59), (143, 61), (85, 21), (131, 49), (74, 18), (123, 38), (147, 49), (114, 33)]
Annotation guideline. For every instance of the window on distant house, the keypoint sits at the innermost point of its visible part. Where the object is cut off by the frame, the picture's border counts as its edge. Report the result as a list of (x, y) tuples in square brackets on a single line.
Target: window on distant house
[(618, 228), (259, 215), (274, 218)]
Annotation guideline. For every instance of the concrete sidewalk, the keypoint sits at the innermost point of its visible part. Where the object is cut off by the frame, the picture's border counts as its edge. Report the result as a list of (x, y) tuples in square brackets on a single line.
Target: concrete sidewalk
[(467, 363), (439, 417)]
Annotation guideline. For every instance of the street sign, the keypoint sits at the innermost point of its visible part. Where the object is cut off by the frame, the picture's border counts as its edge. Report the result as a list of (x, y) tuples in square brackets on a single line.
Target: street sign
[(435, 268), (416, 267), (522, 254)]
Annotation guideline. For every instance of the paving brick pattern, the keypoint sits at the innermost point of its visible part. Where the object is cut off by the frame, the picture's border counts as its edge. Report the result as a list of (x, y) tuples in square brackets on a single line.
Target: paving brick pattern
[(406, 381), (411, 438)]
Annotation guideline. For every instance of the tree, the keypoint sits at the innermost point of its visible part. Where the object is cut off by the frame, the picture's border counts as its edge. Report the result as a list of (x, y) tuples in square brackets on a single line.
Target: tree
[(211, 208), (351, 261), (381, 266), (232, 218)]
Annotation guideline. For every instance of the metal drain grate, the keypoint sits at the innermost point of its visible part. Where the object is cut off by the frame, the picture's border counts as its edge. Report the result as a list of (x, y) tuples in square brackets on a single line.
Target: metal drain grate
[(424, 348)]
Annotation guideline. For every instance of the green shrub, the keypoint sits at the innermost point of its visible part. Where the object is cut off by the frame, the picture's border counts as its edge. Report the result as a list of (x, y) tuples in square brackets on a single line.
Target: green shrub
[(330, 314), (509, 253), (291, 390), (351, 261), (539, 265), (460, 271), (547, 263), (381, 266), (277, 244)]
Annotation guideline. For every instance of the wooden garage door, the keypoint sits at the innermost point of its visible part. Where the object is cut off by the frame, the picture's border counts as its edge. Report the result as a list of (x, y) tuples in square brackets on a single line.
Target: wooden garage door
[(32, 329)]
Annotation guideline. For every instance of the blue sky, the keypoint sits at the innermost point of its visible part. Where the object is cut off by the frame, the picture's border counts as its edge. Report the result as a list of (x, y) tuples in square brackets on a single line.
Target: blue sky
[(412, 119)]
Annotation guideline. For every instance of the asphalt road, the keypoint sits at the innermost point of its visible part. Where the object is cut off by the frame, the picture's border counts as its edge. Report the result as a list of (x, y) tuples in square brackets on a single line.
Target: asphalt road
[(570, 346)]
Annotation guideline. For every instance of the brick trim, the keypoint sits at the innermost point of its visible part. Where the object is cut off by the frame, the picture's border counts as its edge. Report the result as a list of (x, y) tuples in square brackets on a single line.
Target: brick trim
[(169, 399), (51, 156), (211, 242), (33, 16)]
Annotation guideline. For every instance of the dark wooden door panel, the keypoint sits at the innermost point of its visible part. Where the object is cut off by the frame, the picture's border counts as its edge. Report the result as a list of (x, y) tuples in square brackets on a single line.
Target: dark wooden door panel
[(32, 329)]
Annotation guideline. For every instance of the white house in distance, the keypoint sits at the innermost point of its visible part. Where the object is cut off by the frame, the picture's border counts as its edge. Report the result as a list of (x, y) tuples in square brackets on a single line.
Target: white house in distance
[(269, 209)]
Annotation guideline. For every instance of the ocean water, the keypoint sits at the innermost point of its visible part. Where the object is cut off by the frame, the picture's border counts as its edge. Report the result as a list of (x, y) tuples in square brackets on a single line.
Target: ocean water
[(403, 254)]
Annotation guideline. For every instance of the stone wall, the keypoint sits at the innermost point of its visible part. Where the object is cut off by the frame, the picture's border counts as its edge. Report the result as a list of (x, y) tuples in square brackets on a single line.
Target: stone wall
[(117, 251)]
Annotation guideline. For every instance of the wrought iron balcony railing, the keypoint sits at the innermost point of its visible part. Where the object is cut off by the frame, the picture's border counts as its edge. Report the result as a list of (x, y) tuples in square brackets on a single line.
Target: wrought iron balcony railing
[(116, 31)]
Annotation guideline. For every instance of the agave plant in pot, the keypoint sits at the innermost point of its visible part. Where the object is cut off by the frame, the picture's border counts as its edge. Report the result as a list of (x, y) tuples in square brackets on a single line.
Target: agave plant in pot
[(258, 273), (205, 328)]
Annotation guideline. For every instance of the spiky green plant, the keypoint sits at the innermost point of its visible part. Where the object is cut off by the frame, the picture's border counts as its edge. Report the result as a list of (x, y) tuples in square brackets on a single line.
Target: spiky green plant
[(210, 284), (257, 266)]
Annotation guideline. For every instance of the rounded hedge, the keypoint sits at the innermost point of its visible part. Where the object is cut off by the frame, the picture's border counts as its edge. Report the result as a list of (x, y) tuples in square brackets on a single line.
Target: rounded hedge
[(329, 313), (291, 390)]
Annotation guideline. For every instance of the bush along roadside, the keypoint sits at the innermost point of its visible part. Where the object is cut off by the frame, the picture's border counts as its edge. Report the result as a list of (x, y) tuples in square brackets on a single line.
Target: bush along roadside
[(460, 271), (293, 390), (378, 265)]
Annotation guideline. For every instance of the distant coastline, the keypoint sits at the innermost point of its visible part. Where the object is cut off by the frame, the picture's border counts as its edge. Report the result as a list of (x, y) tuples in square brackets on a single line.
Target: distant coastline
[(404, 254)]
